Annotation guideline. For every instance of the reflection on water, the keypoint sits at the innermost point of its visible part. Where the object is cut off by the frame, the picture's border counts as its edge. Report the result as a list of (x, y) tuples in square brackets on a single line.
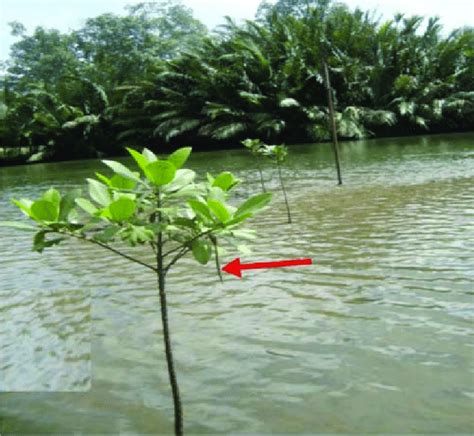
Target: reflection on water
[(376, 337)]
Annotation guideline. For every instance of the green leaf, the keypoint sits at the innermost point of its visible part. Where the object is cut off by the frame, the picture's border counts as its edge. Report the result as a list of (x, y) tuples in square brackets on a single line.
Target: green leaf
[(68, 203), (181, 179), (122, 209), (140, 159), (185, 222), (225, 181), (43, 210), (53, 196), (86, 205), (219, 210), (254, 204), (121, 169), (200, 209), (238, 219), (192, 190), (99, 192), (40, 242), (160, 172), (149, 155), (103, 178), (179, 157), (24, 205), (18, 226), (138, 235), (202, 251), (107, 234), (120, 182)]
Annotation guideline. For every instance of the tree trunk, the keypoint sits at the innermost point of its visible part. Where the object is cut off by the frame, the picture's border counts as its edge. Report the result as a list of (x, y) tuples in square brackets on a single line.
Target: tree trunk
[(284, 194), (178, 409), (333, 123), (261, 175)]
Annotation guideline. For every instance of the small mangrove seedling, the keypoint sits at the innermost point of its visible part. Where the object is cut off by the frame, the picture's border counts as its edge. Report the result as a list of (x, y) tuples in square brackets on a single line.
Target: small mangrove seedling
[(279, 153), (161, 207), (257, 148)]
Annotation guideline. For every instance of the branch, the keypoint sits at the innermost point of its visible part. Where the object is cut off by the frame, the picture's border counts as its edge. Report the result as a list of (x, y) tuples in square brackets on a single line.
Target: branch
[(183, 251), (113, 250), (179, 247)]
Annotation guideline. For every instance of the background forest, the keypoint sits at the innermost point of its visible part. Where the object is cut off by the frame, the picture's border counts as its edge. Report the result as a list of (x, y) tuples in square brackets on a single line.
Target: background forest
[(157, 76)]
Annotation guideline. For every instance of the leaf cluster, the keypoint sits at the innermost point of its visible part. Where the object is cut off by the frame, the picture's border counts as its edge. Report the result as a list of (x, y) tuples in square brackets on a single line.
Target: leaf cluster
[(159, 204)]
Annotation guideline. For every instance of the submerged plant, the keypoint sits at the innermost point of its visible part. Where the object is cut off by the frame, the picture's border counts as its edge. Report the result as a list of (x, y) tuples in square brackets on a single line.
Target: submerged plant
[(278, 154), (161, 208)]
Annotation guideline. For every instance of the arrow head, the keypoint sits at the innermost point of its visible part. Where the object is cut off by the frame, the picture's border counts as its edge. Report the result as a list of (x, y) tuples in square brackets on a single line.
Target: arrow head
[(234, 268)]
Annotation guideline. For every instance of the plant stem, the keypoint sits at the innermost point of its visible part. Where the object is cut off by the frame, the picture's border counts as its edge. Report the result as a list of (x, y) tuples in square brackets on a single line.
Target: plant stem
[(178, 410), (284, 193), (218, 264), (333, 123), (261, 174), (107, 247)]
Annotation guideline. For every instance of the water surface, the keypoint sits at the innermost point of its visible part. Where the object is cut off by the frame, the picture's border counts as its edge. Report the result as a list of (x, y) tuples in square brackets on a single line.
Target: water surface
[(376, 337)]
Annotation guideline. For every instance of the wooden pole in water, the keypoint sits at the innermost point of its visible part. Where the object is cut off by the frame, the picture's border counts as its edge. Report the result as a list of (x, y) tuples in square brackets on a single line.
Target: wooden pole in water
[(333, 123)]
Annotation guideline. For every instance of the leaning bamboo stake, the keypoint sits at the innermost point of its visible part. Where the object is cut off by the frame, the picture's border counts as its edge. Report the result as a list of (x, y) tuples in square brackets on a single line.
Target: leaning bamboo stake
[(333, 123)]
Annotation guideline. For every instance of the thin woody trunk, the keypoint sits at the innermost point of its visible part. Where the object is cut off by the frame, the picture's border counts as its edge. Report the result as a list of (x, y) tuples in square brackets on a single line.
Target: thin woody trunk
[(284, 194), (178, 409), (261, 175), (333, 123)]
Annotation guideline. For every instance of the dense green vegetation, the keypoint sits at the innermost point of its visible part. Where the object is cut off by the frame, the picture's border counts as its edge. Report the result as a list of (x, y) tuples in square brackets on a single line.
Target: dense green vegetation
[(157, 77)]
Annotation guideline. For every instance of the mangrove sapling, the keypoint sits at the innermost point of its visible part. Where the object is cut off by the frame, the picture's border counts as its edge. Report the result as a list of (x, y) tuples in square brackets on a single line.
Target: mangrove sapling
[(161, 208), (257, 148), (278, 154)]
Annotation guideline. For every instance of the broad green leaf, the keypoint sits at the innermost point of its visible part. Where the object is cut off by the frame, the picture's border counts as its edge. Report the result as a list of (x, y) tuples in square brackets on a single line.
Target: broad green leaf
[(217, 194), (160, 172), (86, 205), (200, 209), (149, 155), (238, 219), (181, 179), (138, 235), (219, 210), (103, 178), (107, 234), (99, 192), (192, 190), (120, 182), (210, 178), (122, 209), (179, 157), (43, 210), (68, 203), (225, 181), (40, 242), (140, 159), (121, 169), (53, 196), (24, 205), (202, 251), (18, 226), (254, 204), (185, 222)]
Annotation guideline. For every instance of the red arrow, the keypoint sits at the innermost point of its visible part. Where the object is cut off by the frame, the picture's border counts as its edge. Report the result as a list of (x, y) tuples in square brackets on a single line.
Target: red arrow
[(235, 267)]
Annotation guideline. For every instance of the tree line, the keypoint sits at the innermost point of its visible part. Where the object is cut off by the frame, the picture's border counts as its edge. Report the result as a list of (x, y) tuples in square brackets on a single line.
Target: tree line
[(157, 77)]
